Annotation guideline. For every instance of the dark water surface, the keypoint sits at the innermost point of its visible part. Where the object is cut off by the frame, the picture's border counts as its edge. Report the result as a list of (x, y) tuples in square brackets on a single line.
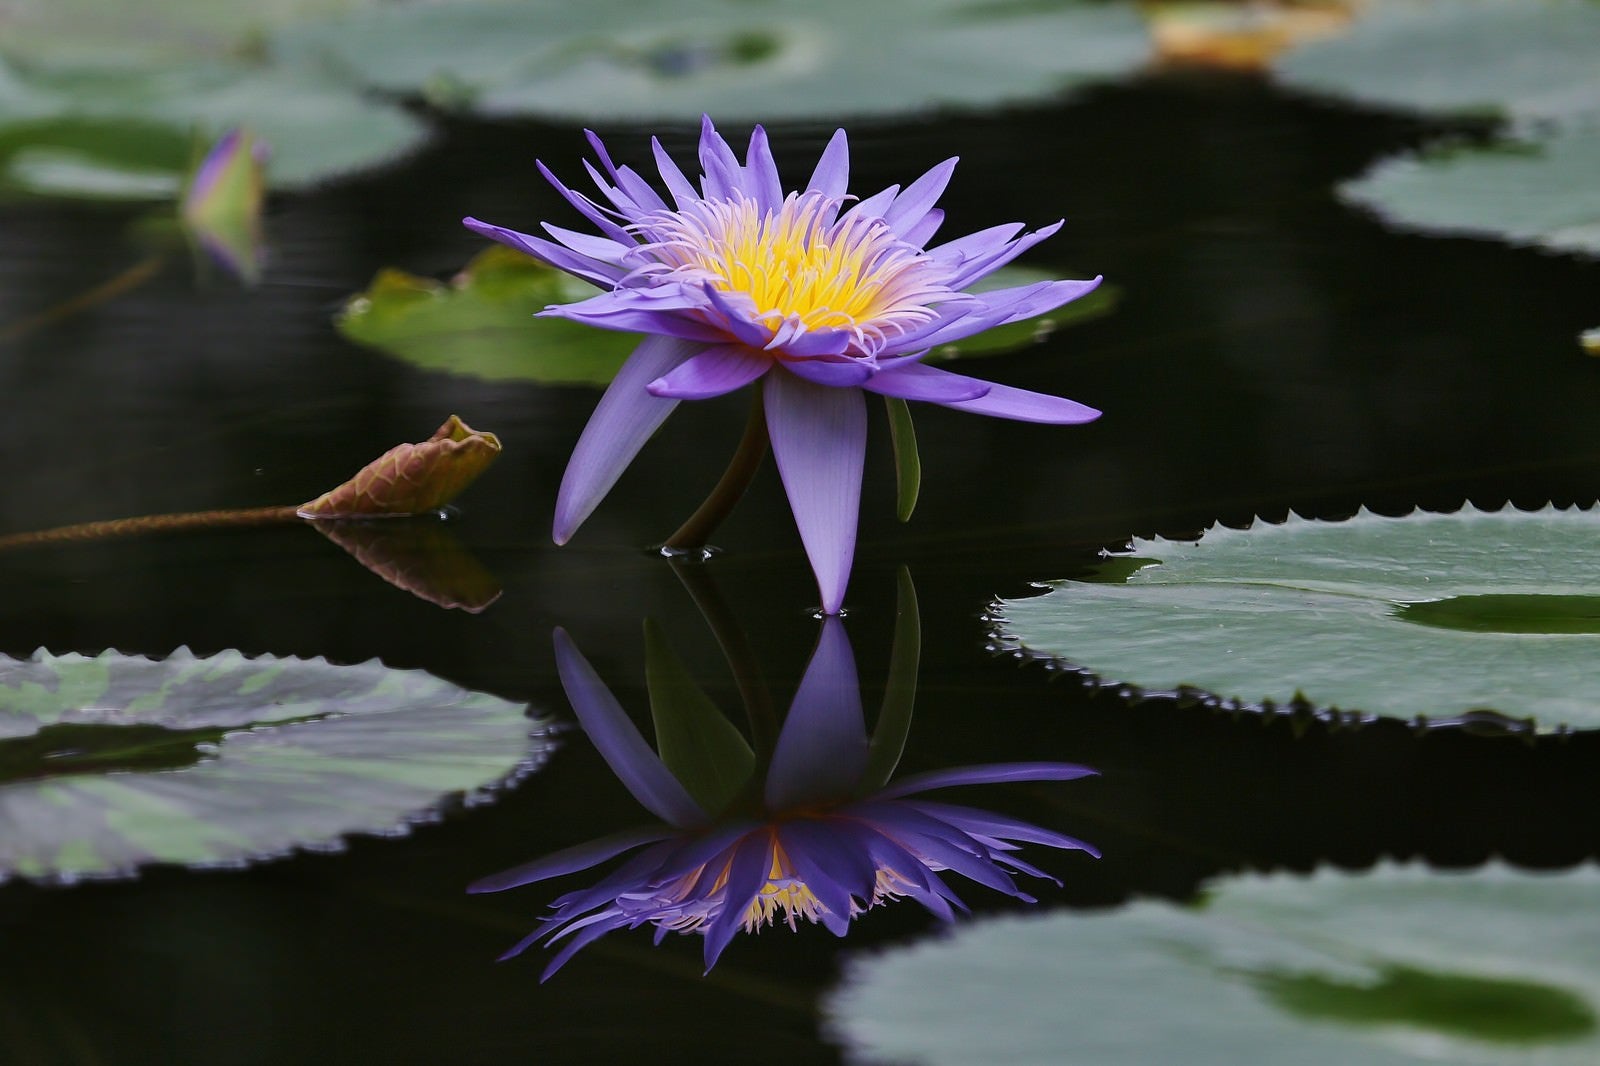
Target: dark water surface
[(1271, 350)]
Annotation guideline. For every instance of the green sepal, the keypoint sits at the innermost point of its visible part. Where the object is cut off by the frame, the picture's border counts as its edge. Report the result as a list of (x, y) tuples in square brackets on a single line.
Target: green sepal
[(696, 741), (907, 464), (900, 694)]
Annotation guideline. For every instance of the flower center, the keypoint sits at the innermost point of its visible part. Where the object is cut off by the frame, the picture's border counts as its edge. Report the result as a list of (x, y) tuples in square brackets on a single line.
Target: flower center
[(800, 266)]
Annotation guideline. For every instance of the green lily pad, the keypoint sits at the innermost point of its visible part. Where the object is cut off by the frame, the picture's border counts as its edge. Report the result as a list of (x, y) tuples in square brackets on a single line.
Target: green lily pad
[(1519, 59), (615, 59), (1390, 967), (1426, 615), (116, 761), (1535, 191), (481, 324)]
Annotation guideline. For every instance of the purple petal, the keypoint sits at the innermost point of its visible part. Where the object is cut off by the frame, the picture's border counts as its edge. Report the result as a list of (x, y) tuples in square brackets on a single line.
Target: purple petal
[(578, 943), (601, 273), (990, 824), (722, 176), (737, 317), (833, 893), (875, 204), (942, 843), (570, 860), (829, 373), (761, 172), (832, 176), (638, 311), (1003, 401), (683, 193), (914, 381), (978, 266), (819, 437), (805, 343), (587, 208), (623, 420), (921, 233), (639, 190), (988, 773), (617, 739), (822, 749), (748, 872), (713, 372), (834, 848), (919, 198)]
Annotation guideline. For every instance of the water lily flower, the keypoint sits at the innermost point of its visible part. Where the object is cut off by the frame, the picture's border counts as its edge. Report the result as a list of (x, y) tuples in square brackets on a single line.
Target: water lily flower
[(222, 203), (818, 297), (824, 837)]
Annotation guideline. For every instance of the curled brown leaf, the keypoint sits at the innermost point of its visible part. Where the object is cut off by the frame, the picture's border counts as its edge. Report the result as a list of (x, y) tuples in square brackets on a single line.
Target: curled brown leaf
[(411, 479)]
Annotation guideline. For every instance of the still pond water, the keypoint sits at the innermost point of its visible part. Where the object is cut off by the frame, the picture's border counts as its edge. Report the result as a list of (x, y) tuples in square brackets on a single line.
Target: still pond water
[(1270, 350)]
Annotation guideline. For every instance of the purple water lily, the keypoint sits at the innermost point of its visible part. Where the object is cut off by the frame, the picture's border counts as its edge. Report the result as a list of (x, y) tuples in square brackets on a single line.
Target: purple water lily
[(824, 840), (738, 281)]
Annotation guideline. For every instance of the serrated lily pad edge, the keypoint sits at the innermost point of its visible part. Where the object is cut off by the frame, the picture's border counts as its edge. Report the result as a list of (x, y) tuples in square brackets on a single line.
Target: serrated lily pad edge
[(540, 742), (1298, 710)]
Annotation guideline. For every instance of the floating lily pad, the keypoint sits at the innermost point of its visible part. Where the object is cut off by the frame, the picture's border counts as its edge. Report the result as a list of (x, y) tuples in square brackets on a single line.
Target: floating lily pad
[(1519, 59), (482, 323), (112, 762), (1426, 615), (1536, 191), (1391, 967), (615, 59)]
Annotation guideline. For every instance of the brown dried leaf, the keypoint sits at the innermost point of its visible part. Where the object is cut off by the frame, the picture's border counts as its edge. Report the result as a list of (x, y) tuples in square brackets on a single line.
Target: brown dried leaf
[(411, 478)]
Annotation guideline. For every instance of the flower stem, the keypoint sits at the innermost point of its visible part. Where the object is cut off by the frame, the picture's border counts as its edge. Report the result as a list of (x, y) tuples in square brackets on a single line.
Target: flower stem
[(694, 533)]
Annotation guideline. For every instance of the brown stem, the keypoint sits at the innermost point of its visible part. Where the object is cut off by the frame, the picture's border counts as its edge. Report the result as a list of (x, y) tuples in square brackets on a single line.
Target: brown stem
[(156, 523), (694, 533)]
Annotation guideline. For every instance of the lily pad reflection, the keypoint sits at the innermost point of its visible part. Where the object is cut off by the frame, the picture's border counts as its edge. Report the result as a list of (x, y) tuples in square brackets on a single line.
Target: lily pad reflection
[(111, 762)]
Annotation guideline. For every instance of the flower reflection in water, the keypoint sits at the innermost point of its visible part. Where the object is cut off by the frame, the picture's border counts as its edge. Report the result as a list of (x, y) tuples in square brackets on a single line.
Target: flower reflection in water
[(818, 833)]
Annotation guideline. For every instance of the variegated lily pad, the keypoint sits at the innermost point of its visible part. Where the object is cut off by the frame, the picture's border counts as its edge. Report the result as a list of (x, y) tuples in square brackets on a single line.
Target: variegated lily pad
[(1430, 615), (1396, 966), (112, 762)]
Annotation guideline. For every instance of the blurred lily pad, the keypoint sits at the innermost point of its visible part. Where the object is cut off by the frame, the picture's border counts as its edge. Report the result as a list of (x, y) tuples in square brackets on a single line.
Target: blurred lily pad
[(1395, 966), (1539, 190), (481, 324), (1425, 615), (116, 761), (615, 59), (65, 125), (1518, 59)]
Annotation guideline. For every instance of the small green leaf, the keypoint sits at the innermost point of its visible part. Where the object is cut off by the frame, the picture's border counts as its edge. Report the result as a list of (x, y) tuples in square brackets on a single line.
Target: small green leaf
[(900, 694), (1431, 615), (411, 479), (1394, 967), (907, 463), (481, 324), (116, 761), (695, 740)]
